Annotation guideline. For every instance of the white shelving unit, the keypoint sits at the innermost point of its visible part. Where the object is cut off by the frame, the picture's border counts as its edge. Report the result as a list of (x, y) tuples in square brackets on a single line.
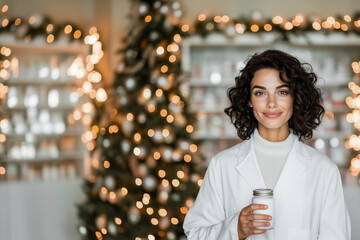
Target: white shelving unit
[(212, 63), (43, 139)]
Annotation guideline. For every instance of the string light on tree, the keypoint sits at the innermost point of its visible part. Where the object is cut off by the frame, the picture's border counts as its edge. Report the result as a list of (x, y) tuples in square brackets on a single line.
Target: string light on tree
[(353, 102)]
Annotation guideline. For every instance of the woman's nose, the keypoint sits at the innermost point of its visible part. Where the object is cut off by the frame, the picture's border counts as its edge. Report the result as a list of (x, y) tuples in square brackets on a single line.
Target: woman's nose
[(271, 102)]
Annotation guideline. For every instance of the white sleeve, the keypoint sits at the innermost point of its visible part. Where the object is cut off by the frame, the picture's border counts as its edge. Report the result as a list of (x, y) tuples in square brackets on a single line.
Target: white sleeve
[(335, 221), (206, 218)]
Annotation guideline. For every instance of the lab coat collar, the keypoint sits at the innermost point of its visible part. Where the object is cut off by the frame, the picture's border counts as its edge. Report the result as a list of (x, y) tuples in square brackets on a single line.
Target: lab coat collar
[(294, 167)]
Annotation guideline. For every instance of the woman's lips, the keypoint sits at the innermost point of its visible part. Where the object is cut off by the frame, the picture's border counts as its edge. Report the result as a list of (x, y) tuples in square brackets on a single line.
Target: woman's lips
[(272, 115)]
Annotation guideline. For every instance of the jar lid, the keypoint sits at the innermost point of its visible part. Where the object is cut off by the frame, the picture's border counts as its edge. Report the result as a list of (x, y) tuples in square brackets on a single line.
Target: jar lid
[(263, 192)]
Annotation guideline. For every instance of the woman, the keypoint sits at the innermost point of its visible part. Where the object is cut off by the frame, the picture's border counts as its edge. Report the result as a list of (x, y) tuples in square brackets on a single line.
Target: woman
[(274, 105)]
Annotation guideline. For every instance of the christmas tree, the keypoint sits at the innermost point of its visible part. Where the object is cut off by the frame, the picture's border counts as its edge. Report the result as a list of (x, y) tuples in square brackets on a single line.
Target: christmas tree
[(144, 177)]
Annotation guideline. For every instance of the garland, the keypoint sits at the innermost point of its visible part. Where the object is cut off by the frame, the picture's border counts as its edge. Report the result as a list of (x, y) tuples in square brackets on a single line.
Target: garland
[(297, 25)]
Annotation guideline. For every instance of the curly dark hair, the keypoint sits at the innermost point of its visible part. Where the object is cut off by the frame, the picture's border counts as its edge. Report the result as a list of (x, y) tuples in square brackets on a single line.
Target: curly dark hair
[(307, 109)]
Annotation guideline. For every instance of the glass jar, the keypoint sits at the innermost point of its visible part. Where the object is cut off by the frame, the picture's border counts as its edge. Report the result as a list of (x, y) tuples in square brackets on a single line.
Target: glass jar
[(264, 196)]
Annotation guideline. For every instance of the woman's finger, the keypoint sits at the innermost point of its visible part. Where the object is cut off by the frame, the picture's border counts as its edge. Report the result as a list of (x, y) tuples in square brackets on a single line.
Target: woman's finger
[(247, 210), (258, 217)]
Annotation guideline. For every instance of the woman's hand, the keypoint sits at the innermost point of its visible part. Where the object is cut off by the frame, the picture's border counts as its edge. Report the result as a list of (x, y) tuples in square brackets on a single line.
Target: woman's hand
[(246, 222)]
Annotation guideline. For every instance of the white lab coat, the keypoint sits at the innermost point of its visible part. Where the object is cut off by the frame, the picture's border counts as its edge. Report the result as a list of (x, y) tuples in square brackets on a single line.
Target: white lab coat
[(309, 199)]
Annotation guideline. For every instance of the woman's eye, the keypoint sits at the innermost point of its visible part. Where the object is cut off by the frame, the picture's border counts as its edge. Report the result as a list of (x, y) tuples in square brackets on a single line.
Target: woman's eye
[(284, 92), (258, 93)]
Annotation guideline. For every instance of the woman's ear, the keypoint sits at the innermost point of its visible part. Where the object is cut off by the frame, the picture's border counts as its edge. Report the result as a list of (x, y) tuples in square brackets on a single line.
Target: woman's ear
[(250, 105)]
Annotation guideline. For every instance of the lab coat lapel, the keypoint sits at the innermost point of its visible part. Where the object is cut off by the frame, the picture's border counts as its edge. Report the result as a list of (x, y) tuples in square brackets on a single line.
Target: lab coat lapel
[(248, 166), (294, 167)]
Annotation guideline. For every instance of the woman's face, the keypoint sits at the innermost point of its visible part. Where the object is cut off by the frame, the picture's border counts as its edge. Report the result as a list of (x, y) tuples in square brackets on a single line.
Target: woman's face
[(271, 102)]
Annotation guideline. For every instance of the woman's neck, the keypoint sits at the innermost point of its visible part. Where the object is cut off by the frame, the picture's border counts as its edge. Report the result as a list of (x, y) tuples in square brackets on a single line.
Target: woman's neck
[(274, 135)]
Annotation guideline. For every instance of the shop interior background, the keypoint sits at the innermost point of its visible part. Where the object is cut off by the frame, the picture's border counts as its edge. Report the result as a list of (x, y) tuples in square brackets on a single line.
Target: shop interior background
[(30, 210)]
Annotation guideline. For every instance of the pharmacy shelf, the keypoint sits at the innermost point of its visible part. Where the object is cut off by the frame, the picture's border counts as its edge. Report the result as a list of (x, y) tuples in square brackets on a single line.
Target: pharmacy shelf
[(43, 47), (326, 134), (43, 106), (72, 156), (42, 139), (44, 135), (194, 82), (42, 82)]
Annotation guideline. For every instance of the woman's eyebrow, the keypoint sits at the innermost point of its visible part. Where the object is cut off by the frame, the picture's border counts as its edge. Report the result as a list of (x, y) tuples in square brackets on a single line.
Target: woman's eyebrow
[(281, 86)]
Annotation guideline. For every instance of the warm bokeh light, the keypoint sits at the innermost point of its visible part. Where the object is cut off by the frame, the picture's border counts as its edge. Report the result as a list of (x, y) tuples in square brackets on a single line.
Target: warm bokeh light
[(98, 235), (177, 38), (138, 181), (150, 211), (117, 220), (106, 164), (183, 210), (154, 221), (200, 182), (2, 170), (137, 137), (101, 95), (189, 203), (288, 26), (130, 116), (217, 19), (185, 28), (225, 18), (267, 27), (330, 20), (92, 30), (49, 28), (240, 28), (202, 17), (193, 148), (174, 221), (162, 173), (355, 165), (151, 108), (124, 191), (5, 22), (277, 20), (162, 212), (299, 18), (68, 29), (77, 34), (172, 58), (148, 18), (2, 138), (151, 132), (5, 8), (187, 158), (164, 69), (347, 18), (189, 128), (337, 25), (139, 205), (170, 118), (175, 182), (180, 174), (163, 112), (137, 151), (157, 155), (254, 28), (104, 190), (316, 26), (165, 183), (344, 27)]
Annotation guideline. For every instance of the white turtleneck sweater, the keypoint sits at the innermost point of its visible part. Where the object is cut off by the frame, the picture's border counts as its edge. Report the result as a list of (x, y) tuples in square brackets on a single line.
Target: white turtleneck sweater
[(271, 156)]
